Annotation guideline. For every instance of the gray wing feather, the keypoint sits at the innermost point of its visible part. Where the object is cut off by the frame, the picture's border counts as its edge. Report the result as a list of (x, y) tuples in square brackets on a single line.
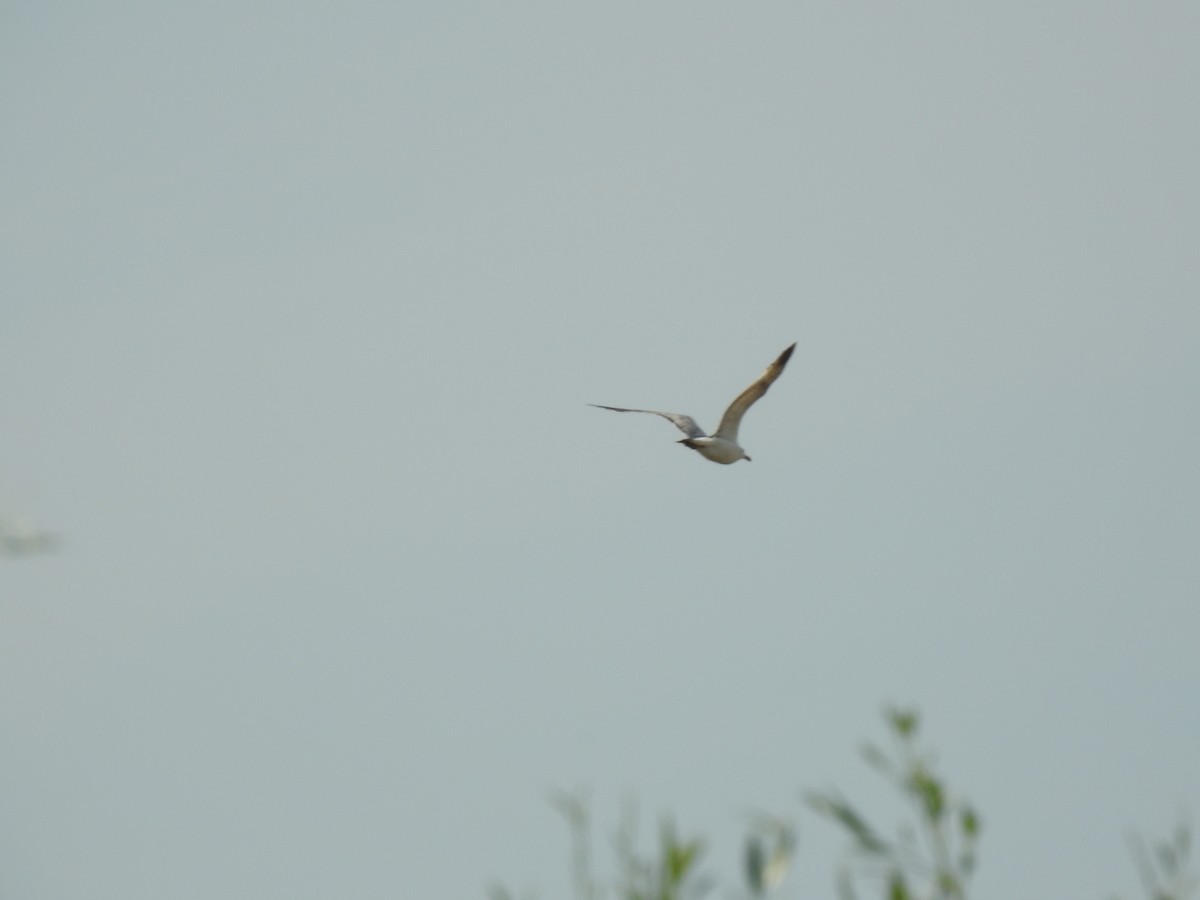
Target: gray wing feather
[(728, 428), (686, 424)]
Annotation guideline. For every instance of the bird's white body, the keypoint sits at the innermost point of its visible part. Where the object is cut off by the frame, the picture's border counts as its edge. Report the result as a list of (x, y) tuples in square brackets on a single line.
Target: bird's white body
[(722, 445), (717, 449)]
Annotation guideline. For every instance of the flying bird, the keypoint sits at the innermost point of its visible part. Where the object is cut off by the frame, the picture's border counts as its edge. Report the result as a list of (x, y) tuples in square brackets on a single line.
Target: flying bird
[(722, 446), (19, 538)]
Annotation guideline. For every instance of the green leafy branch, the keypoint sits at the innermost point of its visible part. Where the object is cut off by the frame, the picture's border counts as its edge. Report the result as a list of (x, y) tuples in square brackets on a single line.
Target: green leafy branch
[(932, 858), (933, 862)]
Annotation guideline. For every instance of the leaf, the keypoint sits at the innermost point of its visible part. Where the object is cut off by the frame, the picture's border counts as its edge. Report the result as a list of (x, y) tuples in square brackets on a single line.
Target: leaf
[(929, 792), (903, 721), (572, 807), (1168, 860), (948, 883), (842, 812), (756, 862), (877, 759), (970, 823), (680, 858)]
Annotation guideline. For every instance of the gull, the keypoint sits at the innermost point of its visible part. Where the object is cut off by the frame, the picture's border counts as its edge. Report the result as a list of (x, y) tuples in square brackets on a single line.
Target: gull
[(19, 538), (722, 446)]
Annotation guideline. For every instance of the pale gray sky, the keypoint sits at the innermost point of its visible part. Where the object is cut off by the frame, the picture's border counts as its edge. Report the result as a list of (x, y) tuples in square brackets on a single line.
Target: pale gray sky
[(302, 304)]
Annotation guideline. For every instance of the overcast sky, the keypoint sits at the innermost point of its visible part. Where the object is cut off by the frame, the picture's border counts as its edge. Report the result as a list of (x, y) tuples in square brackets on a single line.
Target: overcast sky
[(302, 305)]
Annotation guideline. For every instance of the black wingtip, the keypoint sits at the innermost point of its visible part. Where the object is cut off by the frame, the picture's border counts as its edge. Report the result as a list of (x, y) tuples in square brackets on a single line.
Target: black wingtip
[(786, 355)]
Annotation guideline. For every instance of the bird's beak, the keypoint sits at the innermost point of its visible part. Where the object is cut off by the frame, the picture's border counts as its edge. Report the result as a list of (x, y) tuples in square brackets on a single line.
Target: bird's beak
[(747, 459)]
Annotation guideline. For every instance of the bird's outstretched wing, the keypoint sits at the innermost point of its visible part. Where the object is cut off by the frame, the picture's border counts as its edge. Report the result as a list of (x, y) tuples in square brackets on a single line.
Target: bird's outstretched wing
[(686, 424), (728, 428)]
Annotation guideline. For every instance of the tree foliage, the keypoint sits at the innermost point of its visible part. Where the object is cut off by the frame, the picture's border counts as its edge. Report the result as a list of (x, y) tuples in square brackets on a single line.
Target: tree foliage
[(932, 855)]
